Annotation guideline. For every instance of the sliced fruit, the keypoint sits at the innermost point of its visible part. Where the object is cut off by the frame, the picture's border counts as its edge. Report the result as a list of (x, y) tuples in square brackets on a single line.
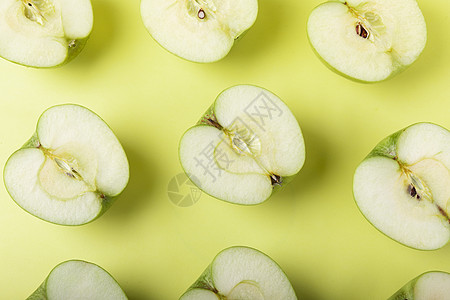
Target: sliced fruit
[(241, 273), (198, 30), (245, 145), (76, 279), (44, 33), (71, 170), (428, 286), (367, 40), (403, 186)]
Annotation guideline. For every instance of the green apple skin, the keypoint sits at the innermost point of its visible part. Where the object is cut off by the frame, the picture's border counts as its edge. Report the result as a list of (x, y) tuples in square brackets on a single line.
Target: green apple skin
[(237, 39), (41, 293), (33, 142), (72, 52), (206, 282), (209, 114), (75, 50), (407, 291), (393, 74), (387, 148), (349, 77)]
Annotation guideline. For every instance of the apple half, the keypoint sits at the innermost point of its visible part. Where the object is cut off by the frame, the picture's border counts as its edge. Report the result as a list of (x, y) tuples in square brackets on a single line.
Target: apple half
[(246, 145), (430, 285), (71, 169), (369, 40), (44, 33), (403, 186), (198, 30), (241, 273), (76, 279)]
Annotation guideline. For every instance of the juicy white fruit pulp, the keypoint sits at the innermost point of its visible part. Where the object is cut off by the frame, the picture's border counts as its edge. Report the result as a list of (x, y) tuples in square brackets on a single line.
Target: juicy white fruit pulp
[(428, 286), (246, 144), (198, 30), (70, 170), (43, 33), (241, 273), (74, 279), (403, 186), (368, 40)]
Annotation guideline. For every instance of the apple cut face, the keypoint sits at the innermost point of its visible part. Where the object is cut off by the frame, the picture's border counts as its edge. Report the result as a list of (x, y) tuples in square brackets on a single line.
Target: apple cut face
[(367, 40), (403, 186), (198, 30), (247, 144), (71, 169), (431, 285), (77, 279), (241, 273), (44, 33)]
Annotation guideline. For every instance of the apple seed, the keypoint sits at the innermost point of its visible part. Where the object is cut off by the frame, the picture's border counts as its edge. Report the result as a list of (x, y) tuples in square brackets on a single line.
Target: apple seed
[(413, 192), (361, 31), (201, 14)]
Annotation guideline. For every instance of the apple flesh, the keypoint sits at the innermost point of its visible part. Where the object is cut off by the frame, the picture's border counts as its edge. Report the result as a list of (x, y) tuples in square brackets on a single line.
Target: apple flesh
[(71, 170), (403, 186), (76, 279), (241, 273), (44, 33), (198, 30), (367, 41), (431, 285), (246, 145)]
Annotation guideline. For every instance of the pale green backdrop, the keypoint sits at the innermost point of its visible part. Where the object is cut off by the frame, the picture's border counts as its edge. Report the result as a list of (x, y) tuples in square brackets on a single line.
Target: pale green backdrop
[(149, 97)]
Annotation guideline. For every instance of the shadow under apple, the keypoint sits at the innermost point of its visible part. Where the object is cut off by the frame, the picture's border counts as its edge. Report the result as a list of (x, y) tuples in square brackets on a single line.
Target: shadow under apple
[(273, 18), (309, 177), (136, 195), (103, 33)]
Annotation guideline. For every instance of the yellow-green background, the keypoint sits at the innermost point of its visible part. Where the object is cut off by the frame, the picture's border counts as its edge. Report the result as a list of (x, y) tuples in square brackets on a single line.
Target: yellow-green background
[(149, 97)]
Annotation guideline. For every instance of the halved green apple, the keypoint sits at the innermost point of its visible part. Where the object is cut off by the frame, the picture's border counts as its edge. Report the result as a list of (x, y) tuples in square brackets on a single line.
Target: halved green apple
[(241, 273), (403, 186), (44, 33), (428, 286), (76, 280), (367, 40), (198, 30), (71, 170), (246, 145)]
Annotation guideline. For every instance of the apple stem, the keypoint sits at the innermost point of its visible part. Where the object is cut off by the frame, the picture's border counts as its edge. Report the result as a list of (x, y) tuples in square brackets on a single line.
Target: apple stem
[(443, 213), (213, 122)]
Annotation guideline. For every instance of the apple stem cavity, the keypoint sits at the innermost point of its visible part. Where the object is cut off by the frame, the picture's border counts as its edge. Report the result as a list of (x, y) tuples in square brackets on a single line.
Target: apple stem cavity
[(276, 180)]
